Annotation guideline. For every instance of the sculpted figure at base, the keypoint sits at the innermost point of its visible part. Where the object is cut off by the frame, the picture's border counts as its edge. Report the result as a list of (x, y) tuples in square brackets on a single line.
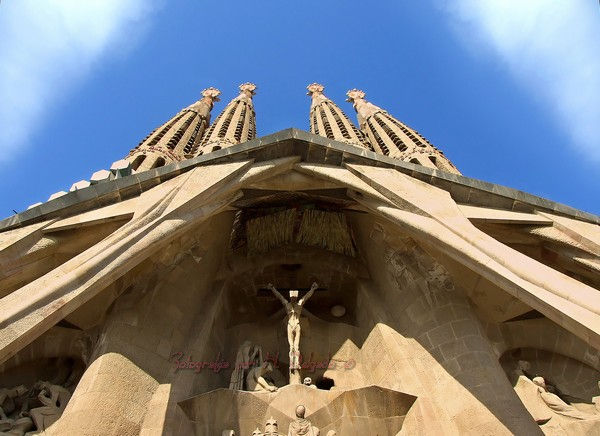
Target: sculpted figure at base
[(54, 399), (271, 429), (557, 405), (308, 382), (10, 399), (256, 381), (302, 426), (293, 309), (7, 400), (248, 355)]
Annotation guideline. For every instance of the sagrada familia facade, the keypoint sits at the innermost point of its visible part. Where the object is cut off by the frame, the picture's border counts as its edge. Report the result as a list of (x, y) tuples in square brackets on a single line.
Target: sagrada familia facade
[(348, 280)]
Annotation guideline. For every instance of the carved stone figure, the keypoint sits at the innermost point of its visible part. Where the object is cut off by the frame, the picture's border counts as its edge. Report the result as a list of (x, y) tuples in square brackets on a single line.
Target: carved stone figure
[(557, 405), (7, 400), (271, 428), (18, 427), (257, 432), (54, 399), (255, 380), (248, 355), (293, 309), (302, 426), (308, 382)]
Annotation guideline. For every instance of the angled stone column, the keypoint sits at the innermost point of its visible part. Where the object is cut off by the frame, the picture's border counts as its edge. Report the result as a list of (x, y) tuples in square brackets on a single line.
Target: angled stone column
[(429, 214), (163, 213)]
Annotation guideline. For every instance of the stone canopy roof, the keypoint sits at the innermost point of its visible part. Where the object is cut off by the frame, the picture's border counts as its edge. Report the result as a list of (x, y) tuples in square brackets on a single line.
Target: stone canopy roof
[(312, 149)]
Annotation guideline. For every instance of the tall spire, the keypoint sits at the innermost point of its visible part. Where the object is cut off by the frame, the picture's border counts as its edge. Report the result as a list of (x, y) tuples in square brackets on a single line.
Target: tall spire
[(394, 138), (236, 124), (176, 139), (328, 120)]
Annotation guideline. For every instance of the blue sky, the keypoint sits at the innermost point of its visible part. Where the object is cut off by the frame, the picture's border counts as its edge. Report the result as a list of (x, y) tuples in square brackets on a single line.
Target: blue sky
[(508, 89)]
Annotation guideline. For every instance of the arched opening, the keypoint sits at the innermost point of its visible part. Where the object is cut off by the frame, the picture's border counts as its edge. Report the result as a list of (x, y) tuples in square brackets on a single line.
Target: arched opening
[(159, 163), (138, 161)]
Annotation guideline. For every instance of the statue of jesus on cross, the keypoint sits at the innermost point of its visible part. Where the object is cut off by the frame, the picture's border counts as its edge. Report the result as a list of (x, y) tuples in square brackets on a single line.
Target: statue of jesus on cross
[(293, 309)]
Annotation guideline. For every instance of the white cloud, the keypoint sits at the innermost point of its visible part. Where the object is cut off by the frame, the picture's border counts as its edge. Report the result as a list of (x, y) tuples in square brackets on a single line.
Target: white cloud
[(47, 48), (553, 47)]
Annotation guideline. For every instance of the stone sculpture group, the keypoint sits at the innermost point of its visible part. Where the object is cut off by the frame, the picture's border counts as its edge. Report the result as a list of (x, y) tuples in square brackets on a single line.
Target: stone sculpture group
[(298, 427), (23, 410), (251, 368)]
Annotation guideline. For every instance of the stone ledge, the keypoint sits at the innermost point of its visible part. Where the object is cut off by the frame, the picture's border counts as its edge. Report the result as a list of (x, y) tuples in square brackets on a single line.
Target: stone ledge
[(312, 148)]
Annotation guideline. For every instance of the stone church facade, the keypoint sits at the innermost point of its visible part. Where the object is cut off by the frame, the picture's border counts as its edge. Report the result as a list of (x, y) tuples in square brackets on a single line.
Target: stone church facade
[(347, 280)]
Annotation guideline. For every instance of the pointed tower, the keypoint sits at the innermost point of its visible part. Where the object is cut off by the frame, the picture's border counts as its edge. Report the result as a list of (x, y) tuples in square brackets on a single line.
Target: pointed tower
[(176, 139), (395, 139), (236, 124), (328, 120)]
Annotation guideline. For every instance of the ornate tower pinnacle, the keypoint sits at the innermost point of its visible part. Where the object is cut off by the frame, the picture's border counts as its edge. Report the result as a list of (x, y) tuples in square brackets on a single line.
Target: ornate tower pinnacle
[(236, 124), (391, 137), (328, 120), (176, 139)]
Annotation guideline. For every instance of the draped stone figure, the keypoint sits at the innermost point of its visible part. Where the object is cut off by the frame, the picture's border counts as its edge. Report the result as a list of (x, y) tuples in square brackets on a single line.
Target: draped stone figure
[(248, 355), (54, 399), (302, 426), (557, 405), (255, 381)]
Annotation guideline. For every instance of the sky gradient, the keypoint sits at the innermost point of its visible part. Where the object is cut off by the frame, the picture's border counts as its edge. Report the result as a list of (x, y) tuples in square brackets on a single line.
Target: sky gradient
[(508, 95)]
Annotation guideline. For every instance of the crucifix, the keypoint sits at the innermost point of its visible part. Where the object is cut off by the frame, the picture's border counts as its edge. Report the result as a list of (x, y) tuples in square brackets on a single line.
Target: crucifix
[(293, 309)]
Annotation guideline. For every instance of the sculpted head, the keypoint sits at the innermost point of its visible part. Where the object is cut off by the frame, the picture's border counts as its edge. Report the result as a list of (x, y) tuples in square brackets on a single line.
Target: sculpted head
[(300, 411), (315, 88), (267, 367), (271, 426), (540, 382), (307, 381), (355, 94)]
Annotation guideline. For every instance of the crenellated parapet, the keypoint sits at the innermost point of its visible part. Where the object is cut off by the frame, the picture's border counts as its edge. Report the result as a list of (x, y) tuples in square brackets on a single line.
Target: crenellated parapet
[(393, 138), (328, 120), (236, 124), (178, 138)]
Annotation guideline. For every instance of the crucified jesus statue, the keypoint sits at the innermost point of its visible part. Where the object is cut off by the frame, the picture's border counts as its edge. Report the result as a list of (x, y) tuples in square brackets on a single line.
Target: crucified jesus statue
[(293, 309)]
